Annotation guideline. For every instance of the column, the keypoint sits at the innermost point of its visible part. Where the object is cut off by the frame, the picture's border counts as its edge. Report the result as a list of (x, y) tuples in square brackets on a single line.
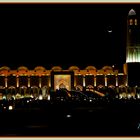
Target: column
[(17, 78), (105, 80), (126, 81), (75, 80), (6, 82), (28, 81), (49, 80), (117, 80), (94, 81), (40, 81), (84, 81)]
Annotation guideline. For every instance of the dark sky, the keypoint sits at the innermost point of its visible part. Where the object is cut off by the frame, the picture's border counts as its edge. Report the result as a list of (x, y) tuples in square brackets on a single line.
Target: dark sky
[(64, 35)]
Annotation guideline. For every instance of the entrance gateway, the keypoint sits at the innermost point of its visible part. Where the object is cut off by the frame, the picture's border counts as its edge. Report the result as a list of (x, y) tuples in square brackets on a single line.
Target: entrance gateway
[(63, 79)]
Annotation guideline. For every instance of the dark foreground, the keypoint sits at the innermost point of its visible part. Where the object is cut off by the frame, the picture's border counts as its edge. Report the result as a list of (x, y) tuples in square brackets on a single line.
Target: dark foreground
[(72, 119)]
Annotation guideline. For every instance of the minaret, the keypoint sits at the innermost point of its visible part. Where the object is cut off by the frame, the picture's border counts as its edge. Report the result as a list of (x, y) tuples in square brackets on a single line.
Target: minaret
[(132, 65), (133, 38)]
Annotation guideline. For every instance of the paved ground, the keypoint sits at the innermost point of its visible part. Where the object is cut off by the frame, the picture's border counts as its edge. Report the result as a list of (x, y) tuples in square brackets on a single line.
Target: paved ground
[(72, 120)]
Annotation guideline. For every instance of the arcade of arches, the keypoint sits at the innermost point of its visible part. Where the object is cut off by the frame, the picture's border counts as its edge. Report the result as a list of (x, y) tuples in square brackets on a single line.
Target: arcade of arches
[(40, 77)]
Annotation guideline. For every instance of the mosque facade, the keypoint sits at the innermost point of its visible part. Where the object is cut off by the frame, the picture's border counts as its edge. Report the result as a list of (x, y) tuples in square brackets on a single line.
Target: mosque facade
[(23, 78), (72, 78)]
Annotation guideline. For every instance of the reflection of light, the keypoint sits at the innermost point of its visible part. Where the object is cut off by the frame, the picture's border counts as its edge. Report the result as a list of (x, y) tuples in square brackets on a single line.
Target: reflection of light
[(68, 116), (90, 100), (110, 31), (138, 126)]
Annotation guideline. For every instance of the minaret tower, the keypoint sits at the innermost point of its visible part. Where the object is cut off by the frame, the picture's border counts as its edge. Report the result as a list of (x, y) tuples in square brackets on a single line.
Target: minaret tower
[(132, 65), (133, 38)]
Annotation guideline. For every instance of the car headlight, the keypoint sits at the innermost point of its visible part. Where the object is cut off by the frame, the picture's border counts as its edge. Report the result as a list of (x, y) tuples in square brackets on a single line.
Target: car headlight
[(10, 107), (49, 97), (90, 100), (40, 97)]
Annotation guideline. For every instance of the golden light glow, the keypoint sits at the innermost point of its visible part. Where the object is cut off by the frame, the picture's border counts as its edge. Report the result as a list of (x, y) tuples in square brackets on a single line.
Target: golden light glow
[(105, 81), (40, 82), (17, 81), (95, 81), (106, 70), (131, 22), (62, 81), (136, 23), (28, 82), (133, 54), (49, 82), (99, 93), (116, 81), (6, 82), (84, 81)]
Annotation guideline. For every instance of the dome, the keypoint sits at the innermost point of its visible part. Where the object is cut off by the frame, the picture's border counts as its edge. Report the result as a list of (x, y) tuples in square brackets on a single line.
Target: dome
[(73, 68), (4, 68), (39, 68), (90, 68), (22, 68), (56, 68), (107, 68), (132, 12)]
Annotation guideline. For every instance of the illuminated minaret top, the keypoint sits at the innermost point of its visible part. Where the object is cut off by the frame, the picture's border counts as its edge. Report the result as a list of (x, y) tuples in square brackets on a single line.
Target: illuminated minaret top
[(133, 38), (132, 12)]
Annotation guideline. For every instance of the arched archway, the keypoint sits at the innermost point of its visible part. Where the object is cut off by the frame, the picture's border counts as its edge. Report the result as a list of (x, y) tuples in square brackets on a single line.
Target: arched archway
[(2, 89), (122, 91), (62, 86), (112, 92), (44, 90), (34, 91), (89, 88), (22, 90), (111, 86), (79, 88), (2, 92), (11, 92), (102, 89)]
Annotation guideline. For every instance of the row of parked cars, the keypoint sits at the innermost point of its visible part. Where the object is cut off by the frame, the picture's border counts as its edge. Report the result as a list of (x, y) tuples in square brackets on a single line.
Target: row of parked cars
[(79, 96), (61, 95)]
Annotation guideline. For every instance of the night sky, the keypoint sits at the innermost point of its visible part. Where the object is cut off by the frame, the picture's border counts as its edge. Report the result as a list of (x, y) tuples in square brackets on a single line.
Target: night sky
[(63, 35)]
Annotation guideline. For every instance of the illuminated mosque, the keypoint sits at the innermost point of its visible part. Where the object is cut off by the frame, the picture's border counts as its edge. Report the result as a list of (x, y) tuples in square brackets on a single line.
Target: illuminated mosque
[(23, 79)]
